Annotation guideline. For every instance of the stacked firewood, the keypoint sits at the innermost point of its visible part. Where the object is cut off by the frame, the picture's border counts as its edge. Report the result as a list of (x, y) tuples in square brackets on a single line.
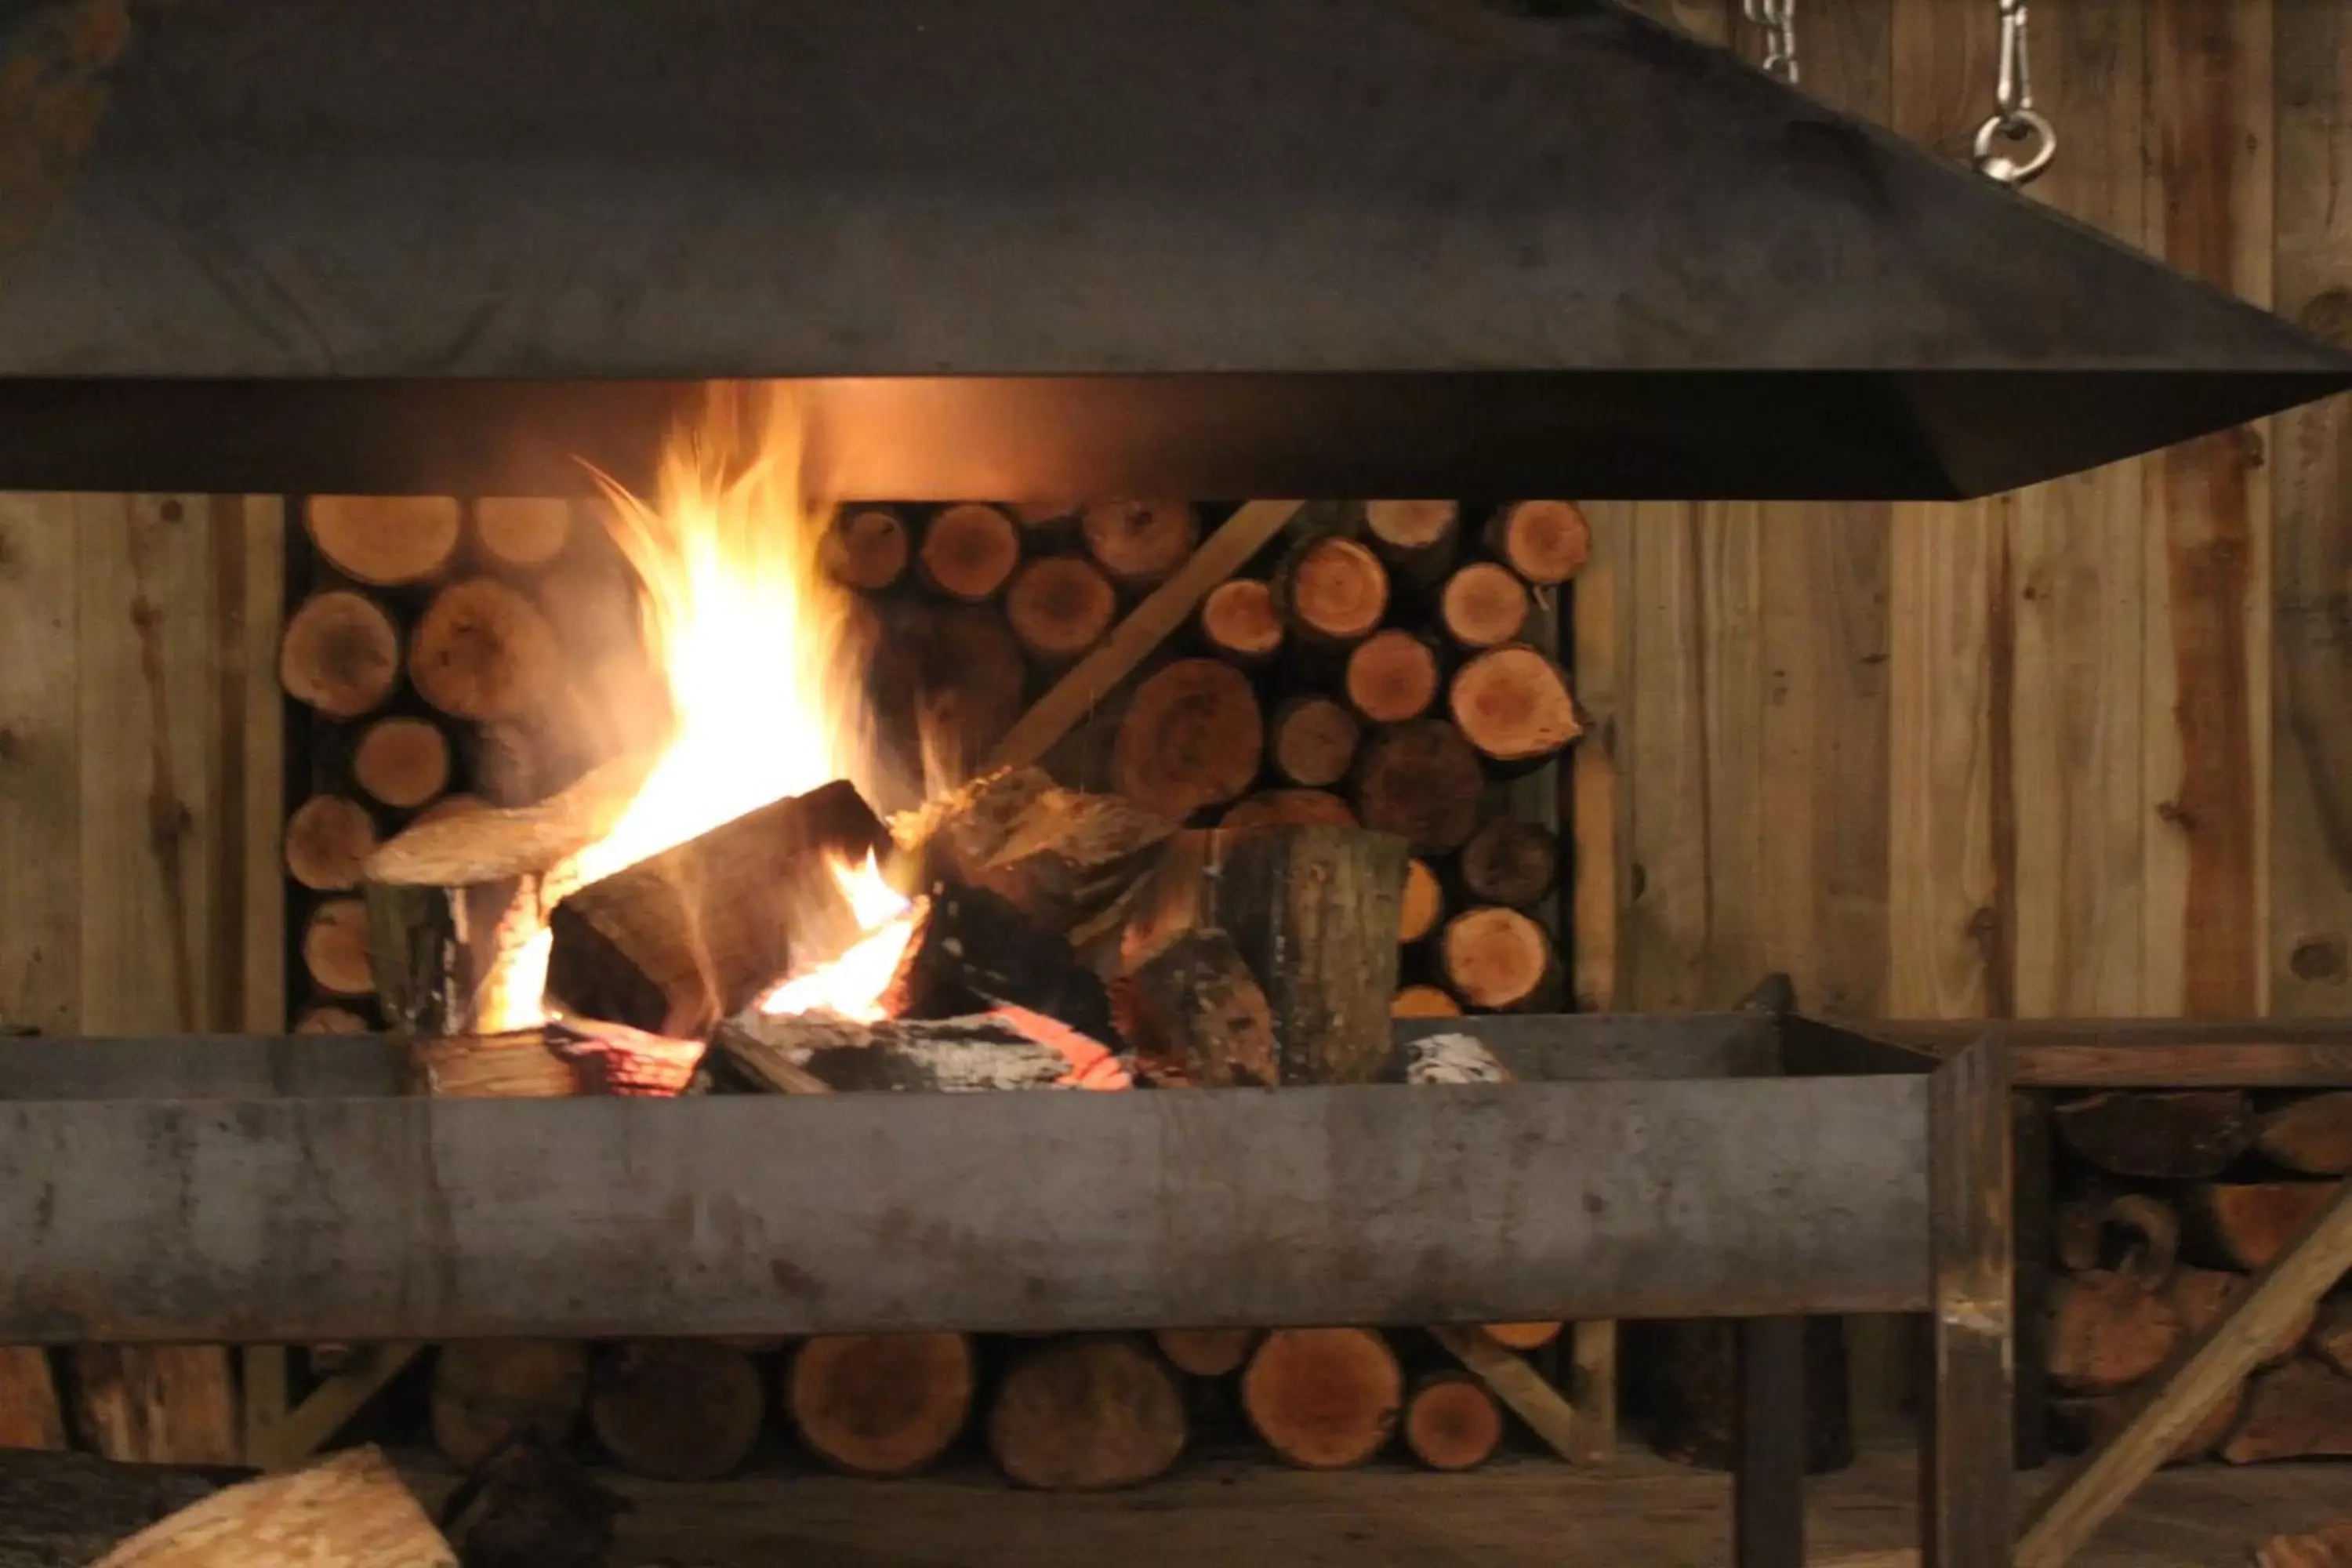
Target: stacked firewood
[(2180, 1197)]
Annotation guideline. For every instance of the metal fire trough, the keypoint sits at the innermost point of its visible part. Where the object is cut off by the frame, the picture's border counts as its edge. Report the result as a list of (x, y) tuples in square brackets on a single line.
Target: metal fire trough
[(1734, 1164)]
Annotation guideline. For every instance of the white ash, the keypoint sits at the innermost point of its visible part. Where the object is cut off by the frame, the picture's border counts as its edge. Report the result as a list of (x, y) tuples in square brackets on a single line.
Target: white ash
[(1452, 1059)]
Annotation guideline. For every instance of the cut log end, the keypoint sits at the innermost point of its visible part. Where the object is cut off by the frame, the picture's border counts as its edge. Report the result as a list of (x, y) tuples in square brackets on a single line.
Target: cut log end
[(1424, 1002), (1423, 906), (1206, 1352), (969, 552), (1311, 741), (483, 651), (1512, 704), (1333, 590), (1392, 676), (402, 763), (1497, 959), (1239, 622), (1483, 605), (1450, 1422), (1323, 1398), (335, 947), (383, 541), (1192, 737), (328, 840), (340, 653), (866, 549), (1059, 606), (1290, 808), (523, 533), (1510, 863), (1545, 542), (484, 1390), (880, 1405), (1421, 781), (678, 1410), (2312, 1134), (1140, 542), (1090, 1413)]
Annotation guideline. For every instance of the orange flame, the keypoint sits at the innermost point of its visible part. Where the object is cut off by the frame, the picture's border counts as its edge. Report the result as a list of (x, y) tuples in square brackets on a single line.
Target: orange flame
[(853, 985)]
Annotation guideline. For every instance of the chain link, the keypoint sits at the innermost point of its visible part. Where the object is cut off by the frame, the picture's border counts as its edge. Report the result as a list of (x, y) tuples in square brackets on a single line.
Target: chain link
[(2032, 141), (1778, 20)]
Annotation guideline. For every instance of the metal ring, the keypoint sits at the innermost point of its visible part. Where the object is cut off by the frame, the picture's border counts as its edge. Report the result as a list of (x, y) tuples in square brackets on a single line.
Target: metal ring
[(2016, 125)]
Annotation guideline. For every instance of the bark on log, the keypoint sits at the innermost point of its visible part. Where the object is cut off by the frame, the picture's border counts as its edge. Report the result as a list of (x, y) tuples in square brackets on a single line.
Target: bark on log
[(1289, 808), (340, 653), (1423, 1002), (1323, 1398), (969, 552), (1008, 1049), (2244, 1224), (676, 1410), (335, 947), (1314, 912), (1331, 592), (1421, 781), (327, 839), (1424, 904), (2312, 1134), (692, 935), (2133, 1232), (1311, 741), (1498, 960), (523, 533), (2200, 1298), (1192, 737), (1194, 1013), (1450, 1422), (1088, 1413), (1058, 607), (2107, 1330), (2184, 1135), (1240, 624), (1693, 1369), (866, 549), (1060, 856), (2304, 1410), (1510, 863), (972, 951), (383, 541), (1512, 704), (1392, 676), (1417, 538), (1483, 605), (1140, 542), (1545, 542), (402, 763), (484, 651), (65, 1511), (879, 1404), (483, 1389), (350, 1508), (2079, 1422), (1206, 1352)]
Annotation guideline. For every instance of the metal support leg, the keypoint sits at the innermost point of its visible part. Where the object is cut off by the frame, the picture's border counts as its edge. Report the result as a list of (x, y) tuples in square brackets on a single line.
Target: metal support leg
[(1768, 1483), (1967, 1437)]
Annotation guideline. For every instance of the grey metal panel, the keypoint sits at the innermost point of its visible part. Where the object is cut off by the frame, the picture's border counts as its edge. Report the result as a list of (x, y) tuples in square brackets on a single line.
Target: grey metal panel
[(1563, 1048), (288, 1220), (202, 1066)]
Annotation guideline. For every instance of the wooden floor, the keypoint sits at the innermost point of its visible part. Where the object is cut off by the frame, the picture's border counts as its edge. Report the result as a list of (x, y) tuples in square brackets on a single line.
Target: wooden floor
[(1521, 1513)]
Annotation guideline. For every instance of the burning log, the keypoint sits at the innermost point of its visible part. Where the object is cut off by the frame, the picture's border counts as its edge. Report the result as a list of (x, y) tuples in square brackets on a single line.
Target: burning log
[(383, 541), (2244, 1225), (327, 839), (350, 1508), (1423, 904), (969, 552), (1289, 808), (2312, 1135), (1416, 538), (1191, 737), (972, 951), (1311, 741), (1423, 1002), (486, 1390), (1421, 781), (1088, 1413), (482, 650), (946, 684), (523, 533), (866, 549), (1196, 1014), (1450, 1422), (1059, 857), (335, 947), (1240, 624), (1206, 1352), (2193, 1135), (1510, 863), (1313, 911), (1484, 604), (402, 763), (1512, 704), (880, 1405), (1498, 960), (1010, 1048), (676, 1410), (1058, 607), (1545, 542), (340, 653), (1140, 542), (1331, 591), (1392, 676), (1323, 1398), (694, 933), (2304, 1410)]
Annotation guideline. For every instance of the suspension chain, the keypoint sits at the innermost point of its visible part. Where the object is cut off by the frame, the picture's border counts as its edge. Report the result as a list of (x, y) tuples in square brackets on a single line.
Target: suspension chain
[(2030, 140), (1778, 20)]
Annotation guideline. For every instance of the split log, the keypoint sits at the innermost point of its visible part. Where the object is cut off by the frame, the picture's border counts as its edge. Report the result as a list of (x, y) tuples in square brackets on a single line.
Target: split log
[(676, 1410), (2108, 1329), (327, 839), (879, 1404), (2304, 1410), (1058, 607), (517, 1065), (2328, 1548), (1140, 542), (2186, 1135), (1510, 863), (330, 1021), (2081, 1422), (2330, 1335), (1452, 1059), (350, 1508), (2202, 1297), (156, 1403), (1512, 704), (1011, 1048), (1289, 808), (383, 541), (1314, 912), (1498, 960), (1191, 737), (1483, 605), (523, 533), (484, 1390), (1206, 1352), (340, 653), (2312, 1134), (335, 947), (30, 1417), (972, 951), (1450, 1422), (1524, 1337), (1693, 1369), (946, 686), (483, 650), (1421, 781), (402, 763), (1416, 538), (1060, 856), (1392, 676), (1323, 1398), (692, 935), (2244, 1225), (866, 549), (1423, 1002), (1194, 1013), (1240, 624), (2134, 1232), (969, 552), (1545, 542), (1423, 904), (1088, 1413), (1331, 592), (1311, 741)]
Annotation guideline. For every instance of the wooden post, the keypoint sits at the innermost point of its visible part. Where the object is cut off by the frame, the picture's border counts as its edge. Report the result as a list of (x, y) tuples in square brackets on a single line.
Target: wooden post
[(1966, 1441), (1767, 1478), (2030, 1134)]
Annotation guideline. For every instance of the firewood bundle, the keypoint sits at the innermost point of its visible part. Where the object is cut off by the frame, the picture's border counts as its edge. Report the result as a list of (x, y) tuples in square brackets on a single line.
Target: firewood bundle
[(2183, 1196)]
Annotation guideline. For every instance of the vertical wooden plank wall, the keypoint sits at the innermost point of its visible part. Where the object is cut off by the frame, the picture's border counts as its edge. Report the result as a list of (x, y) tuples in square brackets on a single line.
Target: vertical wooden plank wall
[(141, 797)]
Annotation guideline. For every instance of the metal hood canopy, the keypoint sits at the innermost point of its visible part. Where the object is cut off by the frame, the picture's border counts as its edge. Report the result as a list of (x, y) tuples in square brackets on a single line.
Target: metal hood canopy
[(1035, 248)]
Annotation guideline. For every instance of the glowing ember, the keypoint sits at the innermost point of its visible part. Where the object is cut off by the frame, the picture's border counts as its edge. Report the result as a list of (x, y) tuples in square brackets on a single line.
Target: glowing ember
[(852, 985)]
